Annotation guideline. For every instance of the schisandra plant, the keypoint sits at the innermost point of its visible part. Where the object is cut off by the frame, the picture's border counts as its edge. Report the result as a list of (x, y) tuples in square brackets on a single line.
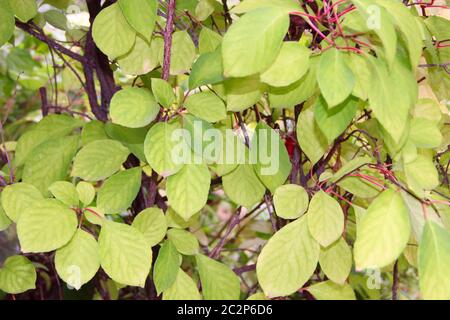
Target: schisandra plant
[(206, 149)]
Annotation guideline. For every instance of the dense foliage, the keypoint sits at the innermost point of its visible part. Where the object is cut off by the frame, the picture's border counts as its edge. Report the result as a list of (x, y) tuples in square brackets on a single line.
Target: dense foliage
[(205, 149)]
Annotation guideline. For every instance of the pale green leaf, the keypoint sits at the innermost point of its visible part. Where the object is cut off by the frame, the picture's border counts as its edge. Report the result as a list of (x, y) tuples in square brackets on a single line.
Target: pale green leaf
[(78, 261), (328, 290), (425, 133), (288, 260), (133, 107), (249, 5), (24, 10), (182, 54), (152, 223), (163, 92), (59, 153), (188, 189), (336, 80), (207, 69), (421, 174), (7, 23), (208, 40), (336, 261), (141, 15), (124, 253), (142, 58), (252, 43), (311, 139), (93, 130), (65, 192), (86, 192), (185, 242), (17, 275), (290, 65), (273, 164), (18, 197), (5, 222), (242, 93), (99, 159), (434, 263), (158, 146), (291, 201), (166, 266), (46, 226), (207, 106), (383, 232), (219, 282), (118, 191), (243, 187), (112, 33), (184, 288), (325, 218)]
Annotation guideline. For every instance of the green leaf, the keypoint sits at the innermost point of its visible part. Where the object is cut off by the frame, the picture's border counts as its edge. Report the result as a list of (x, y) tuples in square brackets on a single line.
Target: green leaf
[(49, 128), (421, 175), (243, 187), (325, 219), (185, 242), (434, 263), (183, 288), (59, 153), (141, 15), (327, 290), (219, 282), (124, 253), (249, 5), (132, 138), (297, 92), (133, 107), (166, 267), (182, 54), (24, 10), (379, 21), (408, 26), (336, 261), (7, 24), (291, 201), (142, 58), (207, 106), (273, 164), (425, 133), (383, 232), (86, 192), (46, 226), (290, 65), (188, 189), (78, 261), (152, 223), (335, 78), (17, 275), (204, 9), (333, 121), (99, 159), (349, 167), (208, 40), (5, 222), (112, 33), (252, 43), (118, 191), (18, 197), (163, 92), (158, 147), (242, 93), (93, 130), (65, 192), (207, 69), (288, 259), (390, 105), (311, 139), (360, 69)]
